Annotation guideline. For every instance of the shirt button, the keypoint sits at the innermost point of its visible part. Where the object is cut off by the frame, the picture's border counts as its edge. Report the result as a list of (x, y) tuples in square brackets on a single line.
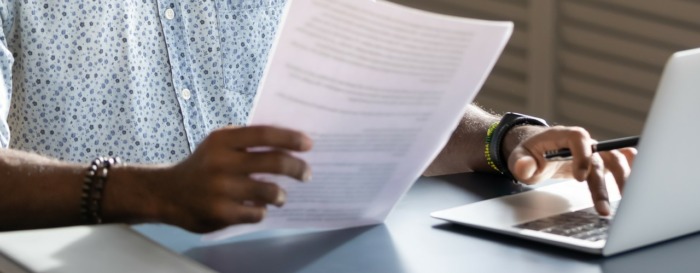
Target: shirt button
[(186, 94), (169, 14)]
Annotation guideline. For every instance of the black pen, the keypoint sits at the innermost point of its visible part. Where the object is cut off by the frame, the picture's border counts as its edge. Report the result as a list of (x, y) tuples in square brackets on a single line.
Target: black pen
[(598, 147)]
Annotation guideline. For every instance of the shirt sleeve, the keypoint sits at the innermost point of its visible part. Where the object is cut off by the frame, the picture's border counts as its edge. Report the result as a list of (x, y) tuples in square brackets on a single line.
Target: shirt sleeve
[(6, 61)]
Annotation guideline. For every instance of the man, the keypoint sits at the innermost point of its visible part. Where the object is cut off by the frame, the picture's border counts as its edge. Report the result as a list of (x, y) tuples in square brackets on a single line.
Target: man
[(161, 81)]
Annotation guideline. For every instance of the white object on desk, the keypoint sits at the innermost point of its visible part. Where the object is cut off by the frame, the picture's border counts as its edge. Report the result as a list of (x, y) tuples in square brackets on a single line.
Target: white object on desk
[(379, 88), (661, 193), (104, 248)]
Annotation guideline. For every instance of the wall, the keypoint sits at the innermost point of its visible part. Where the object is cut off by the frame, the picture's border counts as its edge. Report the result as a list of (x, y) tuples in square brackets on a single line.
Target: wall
[(592, 63)]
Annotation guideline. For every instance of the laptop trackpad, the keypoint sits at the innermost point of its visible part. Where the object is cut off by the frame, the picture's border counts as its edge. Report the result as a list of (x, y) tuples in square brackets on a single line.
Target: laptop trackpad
[(519, 208)]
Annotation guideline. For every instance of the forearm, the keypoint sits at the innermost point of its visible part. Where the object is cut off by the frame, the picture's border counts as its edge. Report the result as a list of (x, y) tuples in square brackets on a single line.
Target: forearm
[(465, 150), (209, 190), (37, 192)]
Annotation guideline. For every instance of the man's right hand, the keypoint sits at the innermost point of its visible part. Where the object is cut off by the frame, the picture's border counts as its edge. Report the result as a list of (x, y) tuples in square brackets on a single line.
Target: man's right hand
[(213, 188)]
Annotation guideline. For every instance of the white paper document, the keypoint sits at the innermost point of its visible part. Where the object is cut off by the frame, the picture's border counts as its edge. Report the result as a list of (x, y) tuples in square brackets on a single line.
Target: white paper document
[(379, 88)]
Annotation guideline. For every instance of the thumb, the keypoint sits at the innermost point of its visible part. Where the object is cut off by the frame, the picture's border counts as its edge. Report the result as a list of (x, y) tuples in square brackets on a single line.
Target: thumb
[(523, 166)]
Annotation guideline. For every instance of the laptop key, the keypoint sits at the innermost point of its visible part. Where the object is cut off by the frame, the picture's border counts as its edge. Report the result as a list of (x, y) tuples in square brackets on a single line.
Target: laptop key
[(583, 224)]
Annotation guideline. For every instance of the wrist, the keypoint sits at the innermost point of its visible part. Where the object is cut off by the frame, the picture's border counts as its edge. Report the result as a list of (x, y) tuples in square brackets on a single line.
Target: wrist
[(131, 196), (516, 136)]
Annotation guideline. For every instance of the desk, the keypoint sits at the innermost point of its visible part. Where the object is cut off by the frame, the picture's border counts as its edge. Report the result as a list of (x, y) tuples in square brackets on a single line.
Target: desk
[(412, 241)]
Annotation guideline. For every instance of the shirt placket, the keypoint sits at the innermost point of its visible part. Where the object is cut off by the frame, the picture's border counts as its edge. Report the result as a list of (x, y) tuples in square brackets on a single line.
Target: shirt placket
[(172, 23)]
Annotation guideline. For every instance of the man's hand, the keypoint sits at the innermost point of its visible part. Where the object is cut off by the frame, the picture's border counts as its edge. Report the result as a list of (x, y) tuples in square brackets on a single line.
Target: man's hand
[(525, 147), (213, 188), (528, 164)]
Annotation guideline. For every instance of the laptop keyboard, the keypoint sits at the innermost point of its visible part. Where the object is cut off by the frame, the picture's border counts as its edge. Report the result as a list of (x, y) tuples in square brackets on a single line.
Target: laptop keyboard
[(583, 224)]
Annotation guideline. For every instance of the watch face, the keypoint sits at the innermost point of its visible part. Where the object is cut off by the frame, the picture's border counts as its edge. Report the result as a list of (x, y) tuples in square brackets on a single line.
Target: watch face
[(522, 119)]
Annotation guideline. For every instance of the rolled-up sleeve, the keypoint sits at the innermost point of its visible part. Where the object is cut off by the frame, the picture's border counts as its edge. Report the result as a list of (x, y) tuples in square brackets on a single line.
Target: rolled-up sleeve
[(6, 61)]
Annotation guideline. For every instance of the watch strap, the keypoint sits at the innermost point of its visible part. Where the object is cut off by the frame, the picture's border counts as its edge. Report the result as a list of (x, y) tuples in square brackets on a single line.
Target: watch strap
[(508, 122)]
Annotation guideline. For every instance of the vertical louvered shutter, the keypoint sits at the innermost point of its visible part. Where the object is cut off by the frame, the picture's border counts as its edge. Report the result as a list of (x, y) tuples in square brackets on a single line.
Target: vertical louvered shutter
[(593, 63)]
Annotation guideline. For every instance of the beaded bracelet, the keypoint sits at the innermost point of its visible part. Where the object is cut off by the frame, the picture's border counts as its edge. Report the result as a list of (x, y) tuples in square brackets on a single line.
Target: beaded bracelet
[(93, 189), (487, 150)]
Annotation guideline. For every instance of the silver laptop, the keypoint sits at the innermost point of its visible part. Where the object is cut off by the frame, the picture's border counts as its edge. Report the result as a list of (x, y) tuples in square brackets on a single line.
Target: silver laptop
[(661, 197)]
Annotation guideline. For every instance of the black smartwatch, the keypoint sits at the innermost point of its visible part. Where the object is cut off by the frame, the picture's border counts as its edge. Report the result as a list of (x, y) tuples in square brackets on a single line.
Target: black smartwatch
[(508, 121)]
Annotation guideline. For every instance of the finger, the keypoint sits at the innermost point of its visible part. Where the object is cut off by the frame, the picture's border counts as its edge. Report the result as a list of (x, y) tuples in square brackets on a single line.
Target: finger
[(527, 169), (574, 138), (597, 187), (617, 163), (240, 214), (262, 136), (579, 142), (276, 162), (630, 154), (257, 193), (523, 166)]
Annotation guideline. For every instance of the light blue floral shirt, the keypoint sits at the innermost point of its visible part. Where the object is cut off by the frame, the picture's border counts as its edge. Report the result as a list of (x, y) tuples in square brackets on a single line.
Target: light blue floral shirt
[(145, 80)]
